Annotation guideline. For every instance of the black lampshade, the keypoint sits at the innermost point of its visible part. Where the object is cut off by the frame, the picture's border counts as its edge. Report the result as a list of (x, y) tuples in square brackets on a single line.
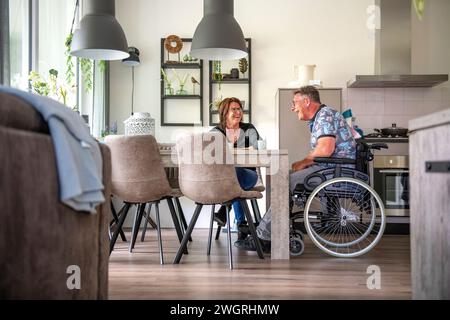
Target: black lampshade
[(100, 36), (218, 35)]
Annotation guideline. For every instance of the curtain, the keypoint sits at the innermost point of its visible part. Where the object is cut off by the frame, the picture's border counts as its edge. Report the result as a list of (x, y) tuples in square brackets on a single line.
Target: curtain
[(4, 42), (100, 105)]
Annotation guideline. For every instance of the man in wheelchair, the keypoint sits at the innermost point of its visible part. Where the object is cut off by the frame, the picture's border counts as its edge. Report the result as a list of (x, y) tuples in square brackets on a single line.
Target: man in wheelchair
[(330, 137)]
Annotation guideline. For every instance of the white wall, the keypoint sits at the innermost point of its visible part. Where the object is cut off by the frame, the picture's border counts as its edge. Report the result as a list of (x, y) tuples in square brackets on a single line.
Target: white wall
[(330, 34)]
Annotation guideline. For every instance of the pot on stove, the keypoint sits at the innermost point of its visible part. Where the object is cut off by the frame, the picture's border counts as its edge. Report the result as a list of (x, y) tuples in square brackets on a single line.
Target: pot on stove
[(393, 131)]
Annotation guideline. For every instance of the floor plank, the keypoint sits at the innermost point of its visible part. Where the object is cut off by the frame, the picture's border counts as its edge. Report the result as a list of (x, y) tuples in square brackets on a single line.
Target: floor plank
[(314, 275)]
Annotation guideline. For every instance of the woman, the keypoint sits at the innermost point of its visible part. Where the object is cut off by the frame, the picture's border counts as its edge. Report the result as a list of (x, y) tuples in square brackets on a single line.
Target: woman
[(241, 135)]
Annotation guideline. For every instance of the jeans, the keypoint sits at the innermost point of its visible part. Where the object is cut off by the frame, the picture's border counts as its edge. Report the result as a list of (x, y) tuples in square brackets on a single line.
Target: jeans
[(247, 179)]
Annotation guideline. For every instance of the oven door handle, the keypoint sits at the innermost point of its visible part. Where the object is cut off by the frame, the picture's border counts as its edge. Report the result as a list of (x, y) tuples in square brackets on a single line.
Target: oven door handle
[(394, 171)]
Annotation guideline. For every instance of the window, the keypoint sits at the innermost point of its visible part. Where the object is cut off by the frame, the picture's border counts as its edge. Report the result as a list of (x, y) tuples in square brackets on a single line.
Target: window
[(54, 22), (19, 43), (38, 30)]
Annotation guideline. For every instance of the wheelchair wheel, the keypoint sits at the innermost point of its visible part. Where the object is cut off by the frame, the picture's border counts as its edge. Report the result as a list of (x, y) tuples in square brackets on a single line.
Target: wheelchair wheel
[(296, 246), (344, 217)]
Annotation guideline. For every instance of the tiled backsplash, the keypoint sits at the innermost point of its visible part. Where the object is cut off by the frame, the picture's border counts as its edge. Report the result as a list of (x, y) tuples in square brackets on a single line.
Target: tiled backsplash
[(380, 107)]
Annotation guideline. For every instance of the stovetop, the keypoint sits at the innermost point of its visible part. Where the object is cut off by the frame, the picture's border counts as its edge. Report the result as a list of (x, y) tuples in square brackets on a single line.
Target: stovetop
[(378, 137)]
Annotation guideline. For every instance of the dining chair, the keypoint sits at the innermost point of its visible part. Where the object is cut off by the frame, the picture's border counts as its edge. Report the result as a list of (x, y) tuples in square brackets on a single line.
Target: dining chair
[(172, 177), (138, 178), (208, 177)]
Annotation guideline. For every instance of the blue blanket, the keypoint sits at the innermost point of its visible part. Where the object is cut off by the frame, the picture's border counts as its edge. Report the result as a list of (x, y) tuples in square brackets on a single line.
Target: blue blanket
[(78, 157)]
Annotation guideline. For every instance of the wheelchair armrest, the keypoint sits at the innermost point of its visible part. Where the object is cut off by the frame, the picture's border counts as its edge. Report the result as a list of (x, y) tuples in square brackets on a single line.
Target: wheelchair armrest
[(378, 146), (334, 160)]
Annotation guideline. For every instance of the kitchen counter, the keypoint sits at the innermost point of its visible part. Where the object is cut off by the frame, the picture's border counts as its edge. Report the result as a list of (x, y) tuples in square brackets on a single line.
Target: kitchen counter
[(429, 206), (432, 120)]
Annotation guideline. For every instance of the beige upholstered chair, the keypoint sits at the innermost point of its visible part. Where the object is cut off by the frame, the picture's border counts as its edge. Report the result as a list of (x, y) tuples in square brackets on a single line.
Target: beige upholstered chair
[(172, 176), (138, 178), (208, 177)]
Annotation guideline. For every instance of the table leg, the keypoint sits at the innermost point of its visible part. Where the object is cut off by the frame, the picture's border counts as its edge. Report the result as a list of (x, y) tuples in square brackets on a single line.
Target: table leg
[(279, 199)]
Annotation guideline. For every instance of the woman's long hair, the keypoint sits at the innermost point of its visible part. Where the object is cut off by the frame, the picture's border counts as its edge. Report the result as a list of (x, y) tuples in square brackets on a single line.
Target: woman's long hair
[(223, 111)]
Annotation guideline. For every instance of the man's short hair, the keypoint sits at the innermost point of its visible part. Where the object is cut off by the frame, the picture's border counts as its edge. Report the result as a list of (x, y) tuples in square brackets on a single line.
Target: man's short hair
[(309, 91)]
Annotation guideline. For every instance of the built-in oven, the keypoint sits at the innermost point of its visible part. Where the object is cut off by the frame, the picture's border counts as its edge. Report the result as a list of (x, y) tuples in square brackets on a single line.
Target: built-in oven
[(391, 181)]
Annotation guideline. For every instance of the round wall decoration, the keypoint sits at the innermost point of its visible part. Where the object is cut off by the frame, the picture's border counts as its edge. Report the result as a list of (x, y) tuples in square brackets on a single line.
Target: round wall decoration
[(173, 44)]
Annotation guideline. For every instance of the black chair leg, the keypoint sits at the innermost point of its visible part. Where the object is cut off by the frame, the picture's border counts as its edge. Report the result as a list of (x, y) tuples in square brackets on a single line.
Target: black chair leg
[(147, 221), (219, 228), (158, 226), (175, 220), (182, 217), (252, 228), (137, 224), (116, 220), (211, 224), (119, 227), (230, 254), (255, 209), (188, 233)]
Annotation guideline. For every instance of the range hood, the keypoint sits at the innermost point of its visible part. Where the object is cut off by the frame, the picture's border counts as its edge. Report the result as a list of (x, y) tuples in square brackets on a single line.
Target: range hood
[(393, 52)]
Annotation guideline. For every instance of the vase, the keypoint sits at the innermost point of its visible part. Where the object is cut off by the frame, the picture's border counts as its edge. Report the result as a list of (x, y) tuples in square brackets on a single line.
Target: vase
[(181, 91), (141, 123), (169, 91)]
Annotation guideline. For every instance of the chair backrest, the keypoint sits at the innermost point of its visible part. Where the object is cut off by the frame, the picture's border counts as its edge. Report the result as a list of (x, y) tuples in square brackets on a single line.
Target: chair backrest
[(138, 174), (206, 171)]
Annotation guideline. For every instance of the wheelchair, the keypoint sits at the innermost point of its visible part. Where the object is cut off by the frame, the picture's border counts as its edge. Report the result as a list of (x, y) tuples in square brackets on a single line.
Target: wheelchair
[(340, 212)]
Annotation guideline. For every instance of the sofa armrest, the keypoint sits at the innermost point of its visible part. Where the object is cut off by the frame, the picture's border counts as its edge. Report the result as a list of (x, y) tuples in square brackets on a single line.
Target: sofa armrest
[(39, 236)]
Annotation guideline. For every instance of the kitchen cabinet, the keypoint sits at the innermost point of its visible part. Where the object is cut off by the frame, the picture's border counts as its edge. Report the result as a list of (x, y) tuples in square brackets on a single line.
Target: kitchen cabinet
[(430, 205), (294, 135)]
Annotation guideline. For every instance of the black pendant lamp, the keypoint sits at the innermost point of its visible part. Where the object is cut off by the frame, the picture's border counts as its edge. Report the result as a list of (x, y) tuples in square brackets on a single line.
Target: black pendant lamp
[(100, 36), (218, 35)]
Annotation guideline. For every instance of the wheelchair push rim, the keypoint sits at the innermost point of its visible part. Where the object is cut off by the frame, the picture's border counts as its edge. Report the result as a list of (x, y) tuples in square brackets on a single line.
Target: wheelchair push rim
[(347, 223)]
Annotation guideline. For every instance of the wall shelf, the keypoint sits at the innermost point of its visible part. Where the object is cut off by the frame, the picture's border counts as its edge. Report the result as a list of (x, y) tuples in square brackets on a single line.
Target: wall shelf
[(233, 87), (192, 102), (176, 96), (181, 65), (237, 81)]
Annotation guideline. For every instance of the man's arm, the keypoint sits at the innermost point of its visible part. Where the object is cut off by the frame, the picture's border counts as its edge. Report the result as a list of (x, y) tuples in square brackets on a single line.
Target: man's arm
[(324, 148)]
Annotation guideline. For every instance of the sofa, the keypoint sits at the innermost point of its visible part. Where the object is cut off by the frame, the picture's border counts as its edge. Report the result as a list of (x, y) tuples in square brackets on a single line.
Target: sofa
[(45, 246)]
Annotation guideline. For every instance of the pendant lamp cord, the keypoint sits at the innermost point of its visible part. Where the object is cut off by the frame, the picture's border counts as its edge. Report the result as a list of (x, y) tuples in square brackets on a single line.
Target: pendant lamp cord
[(132, 90), (74, 15)]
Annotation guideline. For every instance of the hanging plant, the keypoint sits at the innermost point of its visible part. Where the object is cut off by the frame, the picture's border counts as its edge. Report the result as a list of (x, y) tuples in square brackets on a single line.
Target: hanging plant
[(69, 62)]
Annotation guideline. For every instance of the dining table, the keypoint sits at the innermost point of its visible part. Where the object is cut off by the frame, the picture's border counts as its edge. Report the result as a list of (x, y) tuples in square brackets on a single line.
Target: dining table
[(276, 164)]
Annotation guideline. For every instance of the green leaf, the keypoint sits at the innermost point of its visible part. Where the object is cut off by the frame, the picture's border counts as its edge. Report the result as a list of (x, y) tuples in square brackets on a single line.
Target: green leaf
[(419, 5)]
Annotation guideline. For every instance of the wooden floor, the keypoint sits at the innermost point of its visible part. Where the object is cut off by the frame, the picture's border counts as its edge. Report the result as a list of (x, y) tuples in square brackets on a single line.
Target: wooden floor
[(314, 275)]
